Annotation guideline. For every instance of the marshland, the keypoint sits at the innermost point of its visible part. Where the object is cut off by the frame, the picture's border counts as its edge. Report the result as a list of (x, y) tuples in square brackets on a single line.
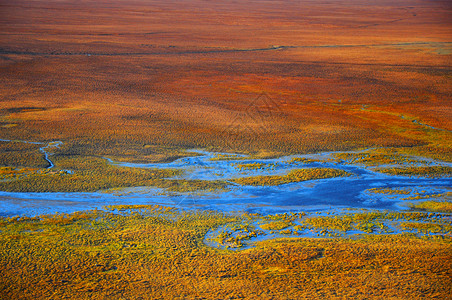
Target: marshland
[(225, 150)]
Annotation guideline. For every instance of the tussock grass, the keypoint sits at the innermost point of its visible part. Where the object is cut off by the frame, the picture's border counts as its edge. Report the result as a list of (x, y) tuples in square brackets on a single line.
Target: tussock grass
[(92, 174), (292, 176), (153, 252), (436, 206), (430, 171)]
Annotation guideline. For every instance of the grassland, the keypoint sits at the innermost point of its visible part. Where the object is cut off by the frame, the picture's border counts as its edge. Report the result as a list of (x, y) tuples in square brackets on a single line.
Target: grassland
[(154, 252), (18, 154), (242, 232), (377, 222), (441, 206), (138, 99), (90, 174), (431, 171), (390, 191), (293, 176), (301, 160), (142, 81), (377, 157)]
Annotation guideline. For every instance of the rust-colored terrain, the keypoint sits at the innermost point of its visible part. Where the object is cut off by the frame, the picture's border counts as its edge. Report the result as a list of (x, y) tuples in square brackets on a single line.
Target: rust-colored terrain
[(90, 89), (142, 80)]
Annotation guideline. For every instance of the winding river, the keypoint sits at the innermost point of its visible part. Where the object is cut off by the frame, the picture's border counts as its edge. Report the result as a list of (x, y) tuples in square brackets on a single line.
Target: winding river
[(353, 192)]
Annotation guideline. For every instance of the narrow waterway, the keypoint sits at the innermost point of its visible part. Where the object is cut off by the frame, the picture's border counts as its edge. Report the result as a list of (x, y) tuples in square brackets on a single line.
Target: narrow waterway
[(44, 149), (354, 191)]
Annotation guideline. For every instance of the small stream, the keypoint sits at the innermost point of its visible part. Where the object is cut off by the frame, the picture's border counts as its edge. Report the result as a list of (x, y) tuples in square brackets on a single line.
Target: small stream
[(44, 149)]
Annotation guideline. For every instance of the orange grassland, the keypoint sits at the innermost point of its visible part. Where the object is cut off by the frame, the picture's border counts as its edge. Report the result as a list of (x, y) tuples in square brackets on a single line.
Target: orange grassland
[(143, 80)]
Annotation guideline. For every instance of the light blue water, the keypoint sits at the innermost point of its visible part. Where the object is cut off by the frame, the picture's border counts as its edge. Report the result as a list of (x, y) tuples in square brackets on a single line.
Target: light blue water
[(314, 195)]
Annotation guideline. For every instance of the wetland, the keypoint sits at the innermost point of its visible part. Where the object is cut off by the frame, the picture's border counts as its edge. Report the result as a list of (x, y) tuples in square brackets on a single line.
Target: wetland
[(225, 150)]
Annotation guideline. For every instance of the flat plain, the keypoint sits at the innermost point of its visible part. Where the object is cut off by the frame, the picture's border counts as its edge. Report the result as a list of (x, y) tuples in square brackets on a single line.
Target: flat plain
[(225, 149)]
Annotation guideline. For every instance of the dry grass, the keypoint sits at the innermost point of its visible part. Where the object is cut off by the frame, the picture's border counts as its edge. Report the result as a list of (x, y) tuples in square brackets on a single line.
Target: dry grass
[(292, 176), (143, 81), (432, 172), (155, 85), (159, 253), (438, 206)]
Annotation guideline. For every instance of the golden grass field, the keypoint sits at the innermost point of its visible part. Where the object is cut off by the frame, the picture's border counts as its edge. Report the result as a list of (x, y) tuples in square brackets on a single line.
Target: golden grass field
[(156, 253), (145, 80)]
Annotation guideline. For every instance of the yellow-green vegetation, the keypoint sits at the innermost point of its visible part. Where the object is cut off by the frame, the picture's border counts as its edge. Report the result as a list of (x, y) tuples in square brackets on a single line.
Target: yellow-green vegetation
[(10, 173), (233, 235), (376, 157), (19, 154), (431, 142), (225, 157), (367, 222), (439, 148), (189, 186), (315, 225), (343, 223), (276, 225), (151, 252), (438, 145), (421, 195), (93, 174), (436, 206), (426, 227), (430, 171), (140, 208), (129, 149), (292, 176), (389, 191), (250, 166), (301, 160)]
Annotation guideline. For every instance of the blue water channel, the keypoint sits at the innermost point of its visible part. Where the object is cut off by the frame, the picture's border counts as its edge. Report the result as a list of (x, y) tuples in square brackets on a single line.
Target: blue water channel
[(314, 195)]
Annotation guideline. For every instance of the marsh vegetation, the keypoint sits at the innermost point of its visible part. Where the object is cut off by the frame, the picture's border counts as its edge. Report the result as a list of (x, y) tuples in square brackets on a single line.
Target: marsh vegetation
[(90, 174), (157, 252), (332, 108), (292, 176)]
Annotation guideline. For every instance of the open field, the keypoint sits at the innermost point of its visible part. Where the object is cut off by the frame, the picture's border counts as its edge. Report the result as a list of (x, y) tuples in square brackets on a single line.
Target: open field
[(117, 76), (154, 253), (298, 149)]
